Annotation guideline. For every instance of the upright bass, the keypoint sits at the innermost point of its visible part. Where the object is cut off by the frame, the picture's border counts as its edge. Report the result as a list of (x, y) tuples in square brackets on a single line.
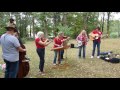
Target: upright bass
[(24, 66)]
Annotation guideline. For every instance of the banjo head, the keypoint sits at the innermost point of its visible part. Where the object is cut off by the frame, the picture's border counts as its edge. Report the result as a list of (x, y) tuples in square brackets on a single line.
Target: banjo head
[(79, 43)]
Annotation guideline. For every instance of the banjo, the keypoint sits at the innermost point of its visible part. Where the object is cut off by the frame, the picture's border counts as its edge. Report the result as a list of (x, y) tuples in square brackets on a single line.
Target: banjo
[(79, 43)]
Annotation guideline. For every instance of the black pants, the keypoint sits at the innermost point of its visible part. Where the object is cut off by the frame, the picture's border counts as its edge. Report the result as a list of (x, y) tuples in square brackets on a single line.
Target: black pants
[(41, 54), (62, 54)]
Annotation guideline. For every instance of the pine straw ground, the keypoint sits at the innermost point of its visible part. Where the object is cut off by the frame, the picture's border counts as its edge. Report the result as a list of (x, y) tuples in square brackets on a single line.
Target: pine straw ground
[(73, 67)]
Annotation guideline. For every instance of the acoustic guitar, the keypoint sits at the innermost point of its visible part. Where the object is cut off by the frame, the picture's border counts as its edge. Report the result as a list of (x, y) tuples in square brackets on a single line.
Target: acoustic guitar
[(96, 36), (93, 36)]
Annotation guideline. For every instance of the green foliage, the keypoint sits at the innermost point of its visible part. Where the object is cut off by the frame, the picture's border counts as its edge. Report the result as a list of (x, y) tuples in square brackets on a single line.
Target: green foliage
[(24, 39), (30, 39), (67, 30), (114, 35), (2, 31), (51, 22)]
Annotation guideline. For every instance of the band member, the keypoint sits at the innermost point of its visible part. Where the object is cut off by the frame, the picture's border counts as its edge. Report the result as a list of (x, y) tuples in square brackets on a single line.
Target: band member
[(57, 43), (10, 48), (82, 40), (41, 43), (96, 41)]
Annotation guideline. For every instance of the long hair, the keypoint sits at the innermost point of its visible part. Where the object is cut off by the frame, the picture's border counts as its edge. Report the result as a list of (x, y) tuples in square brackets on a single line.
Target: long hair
[(83, 31)]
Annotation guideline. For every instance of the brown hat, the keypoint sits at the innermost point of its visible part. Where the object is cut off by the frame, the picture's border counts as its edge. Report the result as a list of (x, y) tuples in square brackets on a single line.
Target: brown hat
[(11, 19), (11, 25)]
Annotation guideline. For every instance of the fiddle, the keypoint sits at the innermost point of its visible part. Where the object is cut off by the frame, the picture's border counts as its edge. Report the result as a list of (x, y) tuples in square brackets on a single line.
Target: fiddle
[(64, 37), (48, 40)]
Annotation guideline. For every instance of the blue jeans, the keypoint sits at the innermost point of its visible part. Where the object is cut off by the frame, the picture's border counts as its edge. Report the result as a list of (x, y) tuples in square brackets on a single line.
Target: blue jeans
[(41, 54), (80, 50), (11, 69), (55, 57), (62, 53), (96, 43)]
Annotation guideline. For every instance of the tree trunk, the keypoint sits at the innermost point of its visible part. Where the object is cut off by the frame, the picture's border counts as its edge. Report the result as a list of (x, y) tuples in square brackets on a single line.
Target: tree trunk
[(103, 19), (54, 25), (30, 31), (33, 27), (108, 23), (20, 27), (118, 30), (64, 19), (85, 19), (45, 24), (45, 28)]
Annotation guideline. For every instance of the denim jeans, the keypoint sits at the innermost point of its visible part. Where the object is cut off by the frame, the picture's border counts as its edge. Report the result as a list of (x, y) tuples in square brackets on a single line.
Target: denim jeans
[(96, 43), (80, 50), (55, 57), (62, 53), (11, 69), (41, 54)]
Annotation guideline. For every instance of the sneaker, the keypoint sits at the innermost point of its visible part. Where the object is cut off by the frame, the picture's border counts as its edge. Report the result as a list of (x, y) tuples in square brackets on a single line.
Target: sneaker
[(54, 64), (42, 73), (98, 57), (91, 57)]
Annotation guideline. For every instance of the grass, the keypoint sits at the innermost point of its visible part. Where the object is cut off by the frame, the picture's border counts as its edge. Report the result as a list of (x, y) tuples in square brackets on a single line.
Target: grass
[(73, 67)]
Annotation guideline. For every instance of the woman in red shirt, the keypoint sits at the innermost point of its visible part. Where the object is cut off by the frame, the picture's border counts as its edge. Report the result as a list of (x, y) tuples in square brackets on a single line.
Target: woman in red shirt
[(82, 37), (58, 43), (41, 42)]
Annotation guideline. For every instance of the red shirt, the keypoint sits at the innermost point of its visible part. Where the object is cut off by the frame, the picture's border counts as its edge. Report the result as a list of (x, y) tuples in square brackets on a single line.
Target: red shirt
[(37, 44), (57, 41), (99, 33)]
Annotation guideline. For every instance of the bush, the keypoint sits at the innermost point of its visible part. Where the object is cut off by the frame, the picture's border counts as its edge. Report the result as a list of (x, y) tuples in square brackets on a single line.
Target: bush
[(23, 40), (30, 39), (2, 31), (114, 35)]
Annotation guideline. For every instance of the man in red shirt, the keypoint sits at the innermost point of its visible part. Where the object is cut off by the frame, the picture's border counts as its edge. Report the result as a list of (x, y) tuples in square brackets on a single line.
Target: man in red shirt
[(96, 42)]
